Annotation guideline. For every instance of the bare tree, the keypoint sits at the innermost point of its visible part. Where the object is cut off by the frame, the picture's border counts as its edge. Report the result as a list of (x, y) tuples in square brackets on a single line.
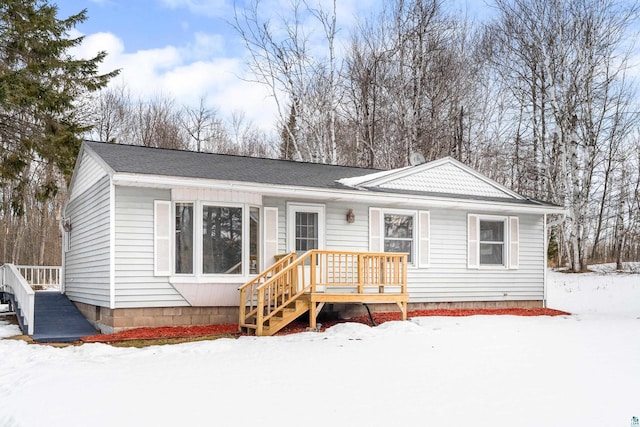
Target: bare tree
[(302, 82), (562, 59)]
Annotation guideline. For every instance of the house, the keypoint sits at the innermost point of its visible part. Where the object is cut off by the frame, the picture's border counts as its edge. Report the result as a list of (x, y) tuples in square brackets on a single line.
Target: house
[(164, 237)]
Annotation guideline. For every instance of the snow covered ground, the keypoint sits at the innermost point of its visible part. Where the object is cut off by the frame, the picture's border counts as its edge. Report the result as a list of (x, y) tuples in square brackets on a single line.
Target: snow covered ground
[(580, 370)]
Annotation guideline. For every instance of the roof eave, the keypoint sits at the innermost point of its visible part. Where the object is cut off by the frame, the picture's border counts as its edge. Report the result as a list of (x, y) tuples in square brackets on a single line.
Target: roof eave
[(330, 194)]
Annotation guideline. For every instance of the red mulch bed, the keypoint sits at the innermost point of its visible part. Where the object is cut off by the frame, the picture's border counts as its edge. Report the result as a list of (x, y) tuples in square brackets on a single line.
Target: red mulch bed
[(301, 326)]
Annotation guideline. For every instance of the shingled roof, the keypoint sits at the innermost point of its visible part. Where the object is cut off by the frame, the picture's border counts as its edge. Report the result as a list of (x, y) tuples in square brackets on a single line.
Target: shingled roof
[(409, 181), (156, 161)]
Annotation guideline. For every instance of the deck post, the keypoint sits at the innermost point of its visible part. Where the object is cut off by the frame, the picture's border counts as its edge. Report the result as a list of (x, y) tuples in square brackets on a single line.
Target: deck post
[(242, 308), (260, 312), (312, 271), (361, 261), (312, 315)]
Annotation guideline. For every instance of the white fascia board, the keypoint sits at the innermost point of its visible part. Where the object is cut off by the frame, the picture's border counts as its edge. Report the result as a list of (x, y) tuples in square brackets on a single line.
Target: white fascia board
[(328, 194)]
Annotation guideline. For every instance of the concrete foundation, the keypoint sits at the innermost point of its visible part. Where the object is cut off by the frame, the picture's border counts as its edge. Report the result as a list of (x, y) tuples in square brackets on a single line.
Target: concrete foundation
[(109, 320)]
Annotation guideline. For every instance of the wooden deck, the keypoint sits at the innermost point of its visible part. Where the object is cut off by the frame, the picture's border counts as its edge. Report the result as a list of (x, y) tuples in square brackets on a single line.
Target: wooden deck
[(296, 285)]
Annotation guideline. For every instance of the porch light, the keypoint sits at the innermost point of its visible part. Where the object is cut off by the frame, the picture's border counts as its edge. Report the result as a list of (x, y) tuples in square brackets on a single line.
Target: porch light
[(351, 217)]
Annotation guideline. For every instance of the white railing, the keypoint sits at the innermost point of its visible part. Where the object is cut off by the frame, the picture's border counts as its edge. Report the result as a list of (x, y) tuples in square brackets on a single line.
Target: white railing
[(14, 283), (46, 277)]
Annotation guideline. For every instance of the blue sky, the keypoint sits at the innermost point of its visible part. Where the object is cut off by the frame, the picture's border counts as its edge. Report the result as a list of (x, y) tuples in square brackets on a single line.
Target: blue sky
[(187, 50)]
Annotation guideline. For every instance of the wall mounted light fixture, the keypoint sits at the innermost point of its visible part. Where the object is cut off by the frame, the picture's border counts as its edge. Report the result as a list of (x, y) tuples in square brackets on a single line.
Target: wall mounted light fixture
[(351, 217)]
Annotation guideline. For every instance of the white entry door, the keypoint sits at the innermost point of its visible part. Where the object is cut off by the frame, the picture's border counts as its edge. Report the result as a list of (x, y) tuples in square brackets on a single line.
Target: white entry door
[(305, 227), (305, 230)]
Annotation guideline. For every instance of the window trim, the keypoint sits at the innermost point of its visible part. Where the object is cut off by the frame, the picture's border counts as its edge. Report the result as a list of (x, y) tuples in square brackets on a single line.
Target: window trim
[(198, 276), (505, 242), (511, 242), (172, 238), (414, 263)]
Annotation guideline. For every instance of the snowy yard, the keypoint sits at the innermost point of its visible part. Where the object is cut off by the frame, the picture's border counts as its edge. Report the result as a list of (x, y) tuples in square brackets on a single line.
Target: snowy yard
[(580, 370)]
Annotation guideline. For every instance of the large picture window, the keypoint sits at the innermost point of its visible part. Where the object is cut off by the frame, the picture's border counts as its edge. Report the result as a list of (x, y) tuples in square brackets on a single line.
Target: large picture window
[(398, 233), (197, 239), (221, 240)]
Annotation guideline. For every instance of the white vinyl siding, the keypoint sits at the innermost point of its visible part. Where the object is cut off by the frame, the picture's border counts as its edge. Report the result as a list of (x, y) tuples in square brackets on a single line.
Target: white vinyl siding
[(87, 266), (89, 172), (135, 282), (449, 279), (339, 235)]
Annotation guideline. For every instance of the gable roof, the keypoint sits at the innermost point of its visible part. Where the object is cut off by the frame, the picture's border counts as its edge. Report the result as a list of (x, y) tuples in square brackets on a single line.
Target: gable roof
[(443, 176), (137, 159), (444, 182)]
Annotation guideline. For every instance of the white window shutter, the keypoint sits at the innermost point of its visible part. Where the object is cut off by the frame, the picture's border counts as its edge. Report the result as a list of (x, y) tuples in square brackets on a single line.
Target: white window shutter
[(375, 230), (424, 239), (161, 238), (473, 256), (514, 242), (270, 235)]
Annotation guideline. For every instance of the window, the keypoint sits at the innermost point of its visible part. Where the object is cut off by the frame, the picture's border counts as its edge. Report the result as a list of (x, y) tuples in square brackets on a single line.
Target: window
[(184, 238), (305, 227), (306, 231), (254, 241), (221, 240), (398, 233), (195, 239), (492, 242), (401, 231)]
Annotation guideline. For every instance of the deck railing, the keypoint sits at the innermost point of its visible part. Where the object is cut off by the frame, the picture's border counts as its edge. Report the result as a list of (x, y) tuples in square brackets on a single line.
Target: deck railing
[(24, 296), (323, 271), (46, 277), (249, 291)]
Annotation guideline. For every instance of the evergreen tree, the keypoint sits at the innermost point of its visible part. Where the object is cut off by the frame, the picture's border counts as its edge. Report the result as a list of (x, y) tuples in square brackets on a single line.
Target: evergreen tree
[(39, 84)]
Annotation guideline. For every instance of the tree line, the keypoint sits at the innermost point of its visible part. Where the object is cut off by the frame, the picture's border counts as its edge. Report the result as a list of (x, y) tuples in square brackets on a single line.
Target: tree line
[(541, 98)]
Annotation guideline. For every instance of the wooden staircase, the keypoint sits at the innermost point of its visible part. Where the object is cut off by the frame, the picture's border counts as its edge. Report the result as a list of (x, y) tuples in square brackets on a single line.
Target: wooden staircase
[(296, 285), (280, 318)]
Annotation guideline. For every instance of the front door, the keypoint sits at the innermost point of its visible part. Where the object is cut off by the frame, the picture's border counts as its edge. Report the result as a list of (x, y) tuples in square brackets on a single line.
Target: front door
[(305, 229)]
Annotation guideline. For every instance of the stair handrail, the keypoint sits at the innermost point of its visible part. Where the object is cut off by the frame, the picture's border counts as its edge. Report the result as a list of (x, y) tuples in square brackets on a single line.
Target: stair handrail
[(276, 293), (14, 283), (249, 291)]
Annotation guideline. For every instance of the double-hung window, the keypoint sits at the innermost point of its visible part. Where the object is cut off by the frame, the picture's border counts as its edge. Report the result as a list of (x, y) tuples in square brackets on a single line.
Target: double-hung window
[(398, 233), (401, 231), (493, 241)]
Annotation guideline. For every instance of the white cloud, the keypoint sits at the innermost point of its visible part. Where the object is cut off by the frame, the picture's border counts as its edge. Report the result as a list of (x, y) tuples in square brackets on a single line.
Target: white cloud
[(212, 8), (188, 73)]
